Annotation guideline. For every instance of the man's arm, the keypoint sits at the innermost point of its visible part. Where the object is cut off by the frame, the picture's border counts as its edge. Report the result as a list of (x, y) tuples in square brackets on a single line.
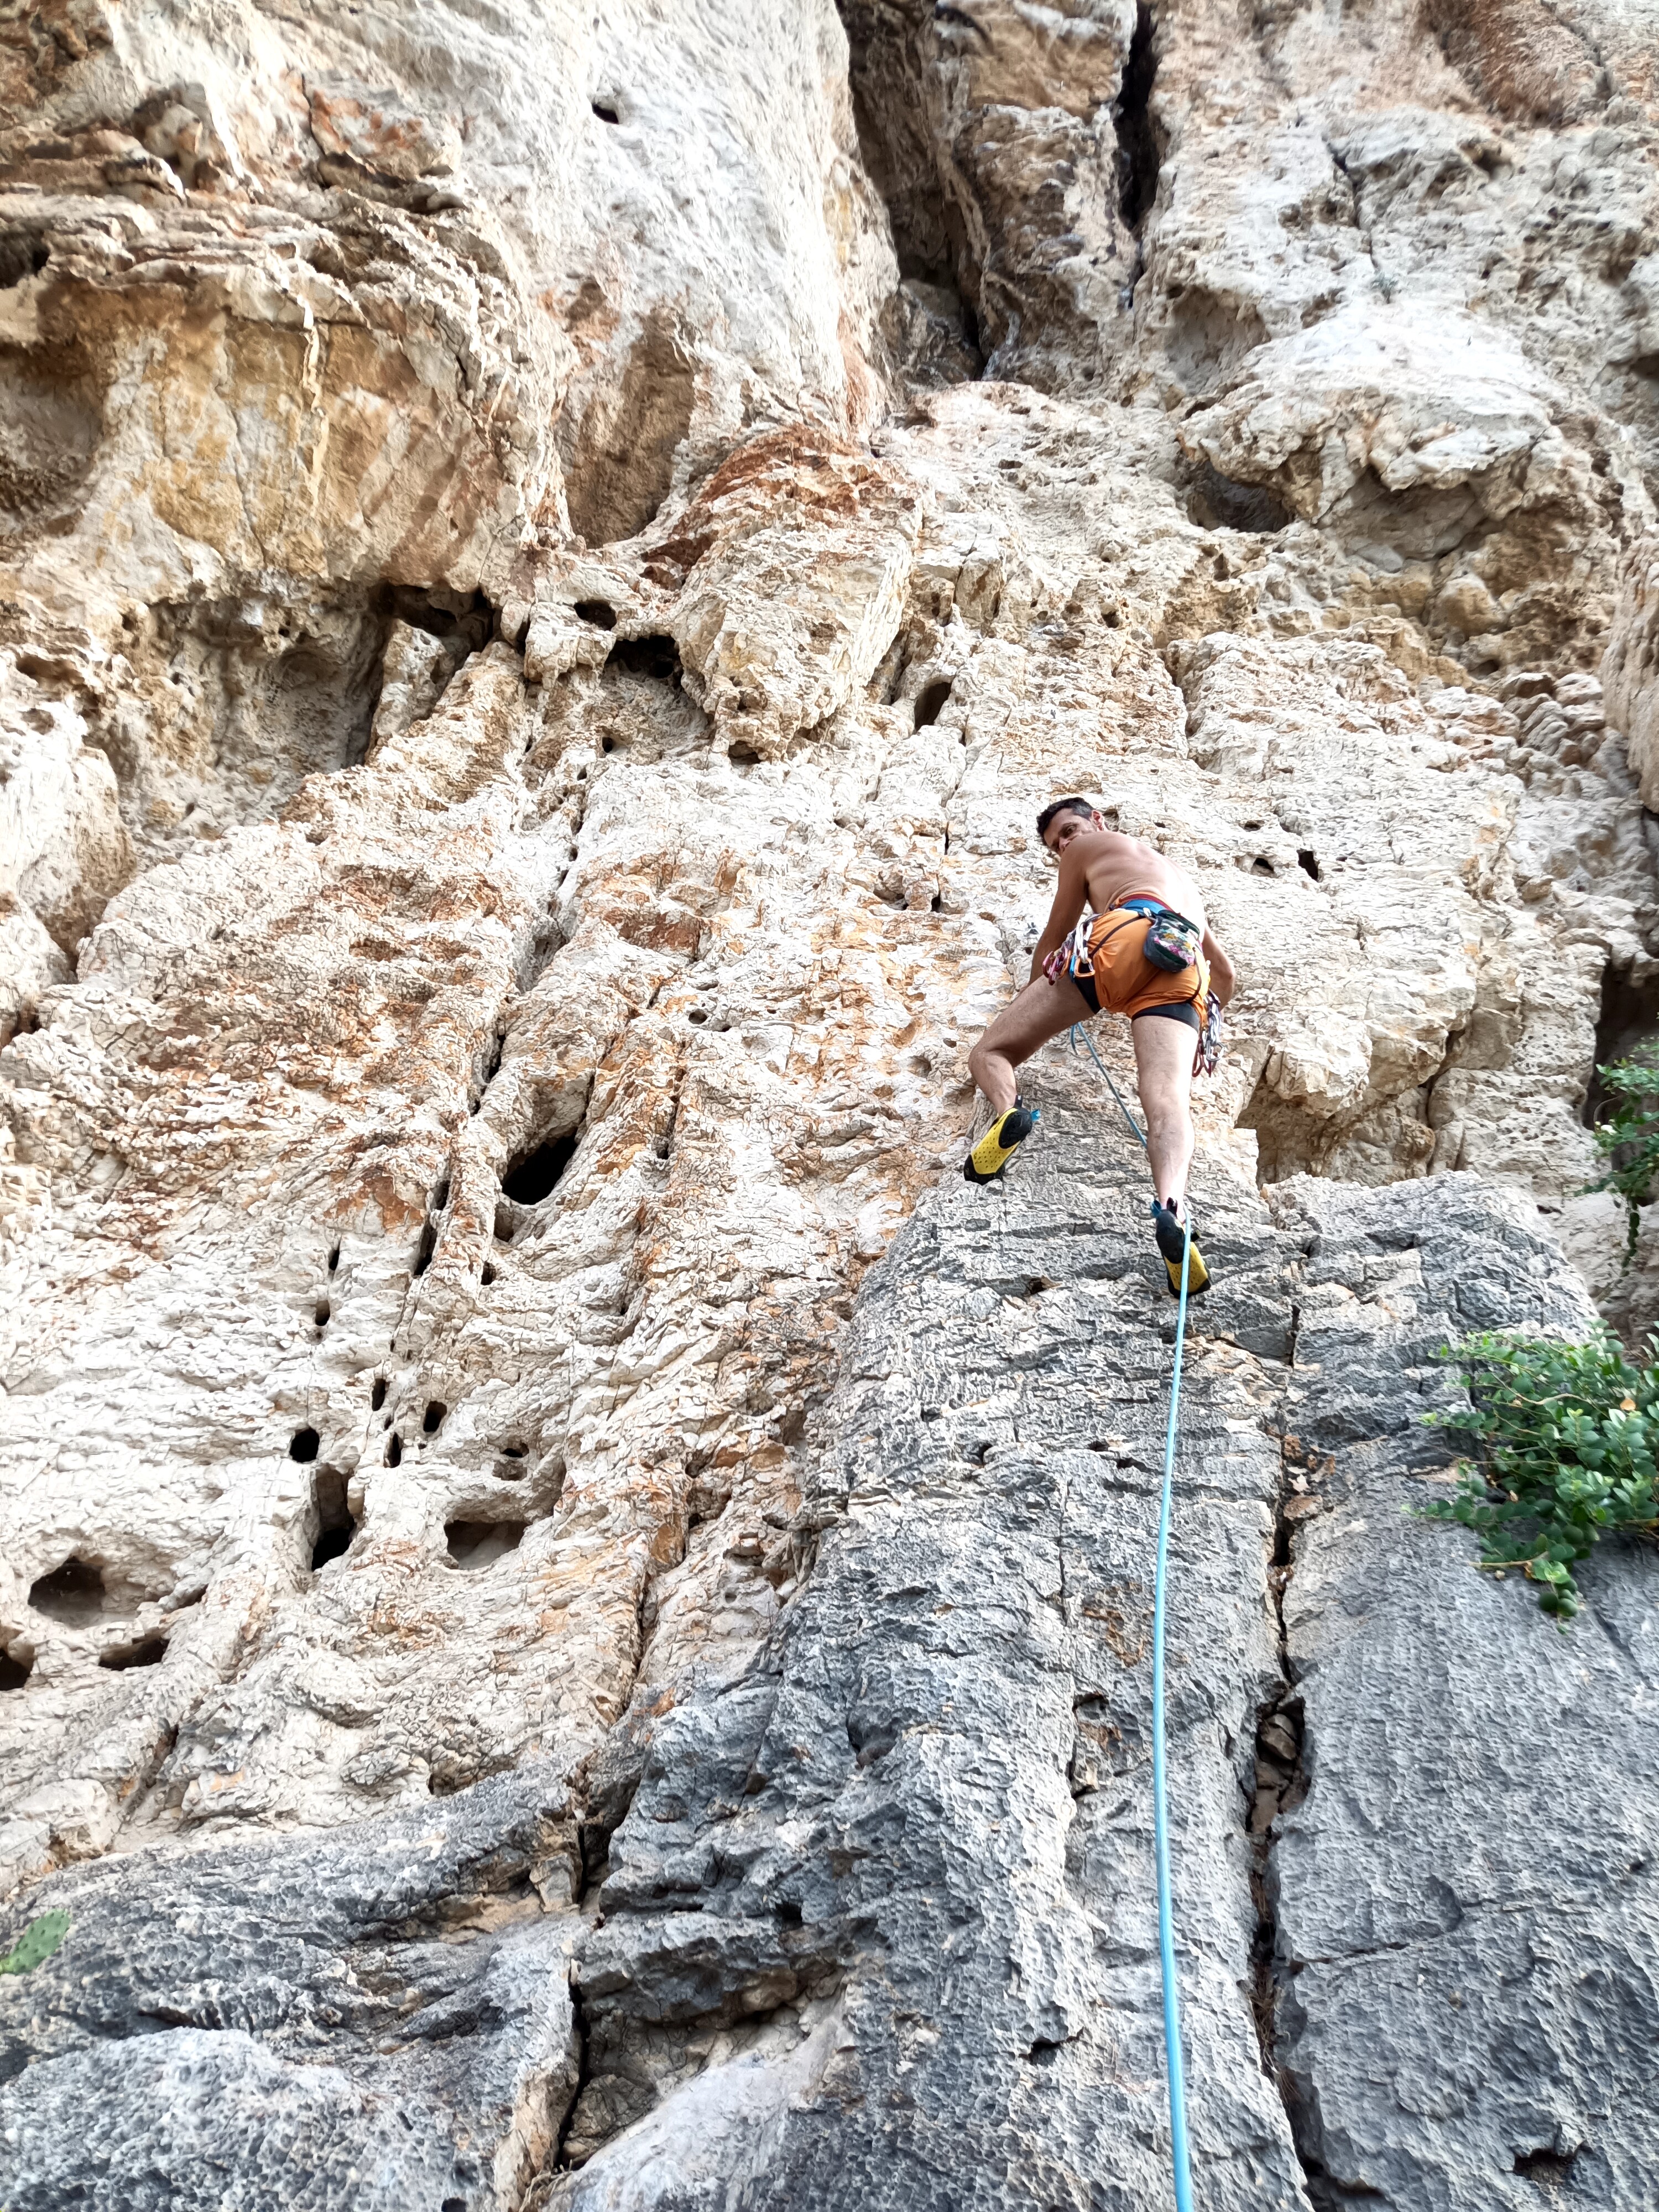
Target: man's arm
[(1069, 894), (1223, 981)]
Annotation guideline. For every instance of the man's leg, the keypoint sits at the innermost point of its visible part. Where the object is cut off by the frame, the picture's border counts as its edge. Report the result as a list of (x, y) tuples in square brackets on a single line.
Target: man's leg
[(1042, 1010), (1164, 1068)]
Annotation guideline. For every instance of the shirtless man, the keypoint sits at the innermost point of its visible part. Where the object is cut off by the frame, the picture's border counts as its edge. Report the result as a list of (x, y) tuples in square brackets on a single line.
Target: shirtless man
[(1100, 966)]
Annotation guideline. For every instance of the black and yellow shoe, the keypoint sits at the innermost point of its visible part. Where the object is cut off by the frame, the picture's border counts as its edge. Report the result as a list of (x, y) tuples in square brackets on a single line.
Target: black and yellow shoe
[(1000, 1142), (1171, 1239)]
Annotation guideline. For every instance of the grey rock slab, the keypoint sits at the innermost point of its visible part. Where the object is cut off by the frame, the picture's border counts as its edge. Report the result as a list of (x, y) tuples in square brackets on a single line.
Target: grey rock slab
[(378, 2018), (1466, 1926), (214, 2121), (912, 1850)]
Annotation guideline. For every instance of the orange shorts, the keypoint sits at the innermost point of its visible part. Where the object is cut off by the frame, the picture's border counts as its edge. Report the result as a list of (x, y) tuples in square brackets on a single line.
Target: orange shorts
[(1125, 981)]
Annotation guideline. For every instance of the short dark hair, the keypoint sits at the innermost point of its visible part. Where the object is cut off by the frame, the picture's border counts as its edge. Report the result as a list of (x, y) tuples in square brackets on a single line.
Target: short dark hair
[(1083, 806)]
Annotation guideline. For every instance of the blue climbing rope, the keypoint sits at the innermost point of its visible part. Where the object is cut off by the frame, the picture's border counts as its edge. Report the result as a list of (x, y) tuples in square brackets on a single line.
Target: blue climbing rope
[(1089, 1046), (1178, 2151)]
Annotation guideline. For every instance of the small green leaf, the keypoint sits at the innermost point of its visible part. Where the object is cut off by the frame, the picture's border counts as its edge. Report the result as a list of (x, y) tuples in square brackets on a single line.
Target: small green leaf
[(36, 1944)]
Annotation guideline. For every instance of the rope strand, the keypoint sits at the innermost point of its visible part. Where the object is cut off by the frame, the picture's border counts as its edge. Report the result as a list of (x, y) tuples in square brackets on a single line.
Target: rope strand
[(1179, 2156), (1178, 2153)]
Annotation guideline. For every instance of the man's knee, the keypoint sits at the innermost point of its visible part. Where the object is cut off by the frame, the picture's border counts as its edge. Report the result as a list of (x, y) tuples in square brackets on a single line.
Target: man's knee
[(1169, 1114)]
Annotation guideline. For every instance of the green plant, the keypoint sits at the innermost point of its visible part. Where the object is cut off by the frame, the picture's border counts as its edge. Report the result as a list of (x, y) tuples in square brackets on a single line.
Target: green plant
[(1629, 1137), (1567, 1435), (36, 1944)]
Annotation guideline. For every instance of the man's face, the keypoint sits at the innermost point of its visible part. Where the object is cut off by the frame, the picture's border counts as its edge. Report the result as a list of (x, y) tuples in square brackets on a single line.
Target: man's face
[(1064, 827)]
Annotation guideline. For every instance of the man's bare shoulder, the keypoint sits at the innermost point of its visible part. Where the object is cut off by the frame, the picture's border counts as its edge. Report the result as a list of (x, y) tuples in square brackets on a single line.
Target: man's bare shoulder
[(1100, 844)]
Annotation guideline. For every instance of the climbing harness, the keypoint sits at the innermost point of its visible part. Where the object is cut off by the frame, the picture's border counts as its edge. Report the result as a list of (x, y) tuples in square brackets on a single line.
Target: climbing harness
[(1109, 961), (1178, 2151)]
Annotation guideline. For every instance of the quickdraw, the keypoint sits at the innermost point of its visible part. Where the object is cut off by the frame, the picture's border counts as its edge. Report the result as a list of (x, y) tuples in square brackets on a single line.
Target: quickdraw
[(1208, 1058)]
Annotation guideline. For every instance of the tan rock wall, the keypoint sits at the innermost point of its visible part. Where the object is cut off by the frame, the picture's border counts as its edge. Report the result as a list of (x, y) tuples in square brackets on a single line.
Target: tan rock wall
[(529, 659)]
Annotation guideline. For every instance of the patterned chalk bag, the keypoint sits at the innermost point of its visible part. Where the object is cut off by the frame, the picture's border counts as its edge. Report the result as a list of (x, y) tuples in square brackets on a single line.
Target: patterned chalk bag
[(1172, 943)]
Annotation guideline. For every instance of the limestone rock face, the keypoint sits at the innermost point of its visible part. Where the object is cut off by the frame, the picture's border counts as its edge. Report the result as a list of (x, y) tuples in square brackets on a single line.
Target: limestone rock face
[(573, 1605)]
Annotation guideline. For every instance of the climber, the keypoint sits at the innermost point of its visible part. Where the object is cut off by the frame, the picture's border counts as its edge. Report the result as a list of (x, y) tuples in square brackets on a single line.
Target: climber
[(1145, 951)]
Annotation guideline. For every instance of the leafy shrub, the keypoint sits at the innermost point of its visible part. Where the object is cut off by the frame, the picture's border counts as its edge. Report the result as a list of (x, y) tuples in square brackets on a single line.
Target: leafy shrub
[(1567, 1435), (1629, 1137)]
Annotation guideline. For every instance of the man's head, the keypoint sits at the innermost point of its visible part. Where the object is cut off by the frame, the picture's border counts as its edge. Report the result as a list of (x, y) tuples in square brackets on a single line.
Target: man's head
[(1067, 818)]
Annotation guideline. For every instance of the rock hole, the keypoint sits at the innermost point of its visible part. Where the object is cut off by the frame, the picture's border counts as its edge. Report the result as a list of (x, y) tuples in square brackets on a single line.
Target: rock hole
[(1281, 1557), (335, 1526), (599, 612), (1217, 502), (478, 1544), (658, 658), (870, 1740), (1137, 141), (377, 1395), (463, 620), (487, 1275), (14, 1672), (424, 1249), (1260, 867), (743, 756), (72, 1593), (441, 1196), (1629, 1018), (333, 1259), (534, 1175), (433, 1419), (20, 257), (323, 1313), (302, 1445), (1548, 2168), (149, 1652), (606, 112), (930, 702), (698, 1016), (1307, 861), (507, 1223), (394, 1449), (607, 743)]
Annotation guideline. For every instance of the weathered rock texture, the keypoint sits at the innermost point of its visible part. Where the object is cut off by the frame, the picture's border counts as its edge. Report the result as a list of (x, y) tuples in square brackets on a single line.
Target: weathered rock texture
[(573, 1607)]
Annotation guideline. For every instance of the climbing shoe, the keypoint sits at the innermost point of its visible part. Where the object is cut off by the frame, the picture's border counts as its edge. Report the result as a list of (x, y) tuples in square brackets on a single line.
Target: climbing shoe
[(1171, 1238), (1000, 1142)]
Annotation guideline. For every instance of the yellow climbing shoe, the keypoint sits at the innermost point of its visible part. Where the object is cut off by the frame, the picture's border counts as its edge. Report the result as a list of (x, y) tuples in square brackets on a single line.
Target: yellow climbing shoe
[(1000, 1142), (1172, 1237)]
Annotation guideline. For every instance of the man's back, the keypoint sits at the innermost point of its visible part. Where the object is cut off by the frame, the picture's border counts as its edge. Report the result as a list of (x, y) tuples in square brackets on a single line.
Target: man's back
[(1118, 867)]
